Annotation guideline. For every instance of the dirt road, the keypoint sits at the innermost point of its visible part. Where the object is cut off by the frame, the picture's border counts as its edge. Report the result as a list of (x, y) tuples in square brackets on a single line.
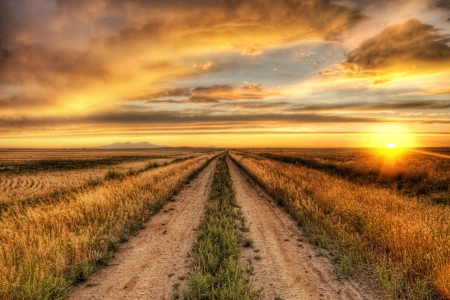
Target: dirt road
[(288, 268), (154, 264)]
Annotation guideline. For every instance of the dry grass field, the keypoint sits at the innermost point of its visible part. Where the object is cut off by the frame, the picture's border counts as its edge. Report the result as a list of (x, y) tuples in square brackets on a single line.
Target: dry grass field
[(382, 216), (47, 245), (350, 202), (412, 173), (27, 176)]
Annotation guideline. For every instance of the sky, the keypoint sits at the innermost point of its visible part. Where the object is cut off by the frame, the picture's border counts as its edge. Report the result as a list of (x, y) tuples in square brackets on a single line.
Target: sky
[(227, 73)]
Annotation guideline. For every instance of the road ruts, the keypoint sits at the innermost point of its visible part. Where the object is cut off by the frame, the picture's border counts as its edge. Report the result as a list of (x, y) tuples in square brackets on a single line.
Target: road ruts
[(289, 268), (152, 264)]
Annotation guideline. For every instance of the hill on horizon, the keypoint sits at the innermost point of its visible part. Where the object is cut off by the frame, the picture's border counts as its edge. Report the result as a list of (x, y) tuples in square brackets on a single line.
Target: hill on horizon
[(128, 145)]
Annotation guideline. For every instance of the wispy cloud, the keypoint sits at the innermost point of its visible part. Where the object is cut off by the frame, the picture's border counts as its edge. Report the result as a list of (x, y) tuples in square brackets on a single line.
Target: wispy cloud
[(253, 51), (431, 92), (211, 94), (375, 107)]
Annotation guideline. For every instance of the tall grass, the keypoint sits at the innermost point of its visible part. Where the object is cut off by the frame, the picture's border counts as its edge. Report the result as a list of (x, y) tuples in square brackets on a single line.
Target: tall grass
[(399, 243), (408, 172), (45, 248), (37, 186), (216, 272)]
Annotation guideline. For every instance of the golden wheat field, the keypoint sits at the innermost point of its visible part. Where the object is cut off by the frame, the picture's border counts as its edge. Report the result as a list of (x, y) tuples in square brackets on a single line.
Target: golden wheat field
[(367, 210), (28, 174), (382, 215), (61, 217)]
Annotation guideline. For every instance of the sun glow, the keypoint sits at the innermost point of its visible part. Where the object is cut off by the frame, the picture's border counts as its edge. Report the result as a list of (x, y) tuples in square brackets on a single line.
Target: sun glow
[(390, 146)]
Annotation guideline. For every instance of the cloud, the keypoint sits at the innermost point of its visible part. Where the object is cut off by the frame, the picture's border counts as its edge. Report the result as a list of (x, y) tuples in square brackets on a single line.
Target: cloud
[(238, 23), (211, 94), (407, 49), (75, 54), (205, 66), (432, 92), (187, 118), (170, 92), (443, 4), (374, 107), (255, 105), (253, 51), (327, 72), (228, 92)]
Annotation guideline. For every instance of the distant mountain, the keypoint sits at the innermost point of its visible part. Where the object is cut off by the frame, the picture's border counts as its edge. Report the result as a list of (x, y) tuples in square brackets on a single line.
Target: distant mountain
[(128, 145)]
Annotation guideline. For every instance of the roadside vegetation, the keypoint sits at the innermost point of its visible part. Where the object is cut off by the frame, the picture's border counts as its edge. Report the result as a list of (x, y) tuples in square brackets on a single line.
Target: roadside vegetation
[(216, 271), (394, 241), (407, 172), (46, 247)]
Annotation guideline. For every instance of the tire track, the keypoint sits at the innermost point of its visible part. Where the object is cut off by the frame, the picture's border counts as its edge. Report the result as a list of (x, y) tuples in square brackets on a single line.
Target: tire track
[(153, 262), (285, 266)]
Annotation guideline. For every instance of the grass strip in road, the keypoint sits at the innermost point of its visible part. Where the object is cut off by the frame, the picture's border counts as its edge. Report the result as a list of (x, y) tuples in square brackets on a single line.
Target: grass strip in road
[(216, 272)]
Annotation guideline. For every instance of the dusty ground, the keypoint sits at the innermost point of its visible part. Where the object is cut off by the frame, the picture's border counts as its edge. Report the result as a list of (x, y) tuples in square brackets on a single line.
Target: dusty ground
[(288, 268), (155, 263)]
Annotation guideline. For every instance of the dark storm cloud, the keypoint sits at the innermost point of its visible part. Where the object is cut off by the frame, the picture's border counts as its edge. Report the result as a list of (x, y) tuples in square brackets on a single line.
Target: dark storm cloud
[(412, 47)]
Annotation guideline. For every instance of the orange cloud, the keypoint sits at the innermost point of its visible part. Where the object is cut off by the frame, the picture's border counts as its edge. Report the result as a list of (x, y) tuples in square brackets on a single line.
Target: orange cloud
[(211, 94), (434, 92), (409, 49), (68, 56), (253, 51)]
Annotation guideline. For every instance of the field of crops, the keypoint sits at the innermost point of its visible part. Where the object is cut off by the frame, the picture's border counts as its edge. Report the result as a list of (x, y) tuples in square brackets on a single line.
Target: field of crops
[(381, 216), (75, 218), (411, 173), (27, 176)]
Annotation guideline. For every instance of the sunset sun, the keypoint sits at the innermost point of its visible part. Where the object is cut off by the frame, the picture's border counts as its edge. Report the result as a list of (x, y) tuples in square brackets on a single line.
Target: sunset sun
[(390, 146)]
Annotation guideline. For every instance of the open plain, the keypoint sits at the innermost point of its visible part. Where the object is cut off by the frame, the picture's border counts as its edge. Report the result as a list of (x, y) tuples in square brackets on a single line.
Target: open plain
[(300, 224)]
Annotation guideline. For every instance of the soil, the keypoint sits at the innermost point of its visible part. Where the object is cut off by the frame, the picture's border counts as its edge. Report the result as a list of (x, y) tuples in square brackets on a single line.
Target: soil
[(154, 264), (285, 266)]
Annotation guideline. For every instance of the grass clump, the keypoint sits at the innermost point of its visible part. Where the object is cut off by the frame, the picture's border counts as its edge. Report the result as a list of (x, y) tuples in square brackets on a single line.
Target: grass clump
[(113, 175), (216, 272)]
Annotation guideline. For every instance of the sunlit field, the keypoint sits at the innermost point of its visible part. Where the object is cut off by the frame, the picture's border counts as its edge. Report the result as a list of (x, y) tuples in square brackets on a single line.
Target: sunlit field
[(62, 217), (382, 213), (28, 176), (411, 172)]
